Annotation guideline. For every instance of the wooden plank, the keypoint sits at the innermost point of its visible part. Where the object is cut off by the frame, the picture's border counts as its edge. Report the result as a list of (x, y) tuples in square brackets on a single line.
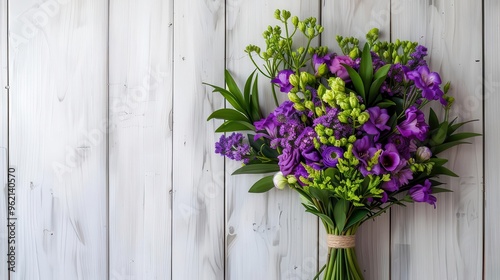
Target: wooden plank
[(198, 173), (356, 18), (140, 146), (446, 243), (269, 231), (491, 86), (58, 63), (3, 140)]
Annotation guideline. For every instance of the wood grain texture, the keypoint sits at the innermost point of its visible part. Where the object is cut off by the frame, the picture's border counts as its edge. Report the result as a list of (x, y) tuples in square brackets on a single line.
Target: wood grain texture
[(140, 140), (3, 140), (491, 86), (356, 18), (268, 236), (58, 62), (446, 243), (198, 173)]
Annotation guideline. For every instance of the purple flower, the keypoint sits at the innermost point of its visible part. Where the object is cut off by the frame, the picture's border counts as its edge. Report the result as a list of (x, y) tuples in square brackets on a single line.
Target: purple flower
[(284, 111), (389, 159), (233, 147), (288, 161), (414, 124), (402, 145), (428, 82), (270, 125), (338, 69), (399, 177), (360, 149), (306, 139), (319, 60), (312, 158), (418, 57), (283, 80), (423, 193), (331, 155), (377, 121)]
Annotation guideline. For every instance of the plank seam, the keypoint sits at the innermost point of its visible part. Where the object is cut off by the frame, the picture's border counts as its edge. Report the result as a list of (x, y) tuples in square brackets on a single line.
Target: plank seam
[(483, 95)]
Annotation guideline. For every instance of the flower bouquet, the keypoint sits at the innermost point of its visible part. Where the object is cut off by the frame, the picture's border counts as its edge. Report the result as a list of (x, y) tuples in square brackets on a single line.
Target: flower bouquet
[(352, 139)]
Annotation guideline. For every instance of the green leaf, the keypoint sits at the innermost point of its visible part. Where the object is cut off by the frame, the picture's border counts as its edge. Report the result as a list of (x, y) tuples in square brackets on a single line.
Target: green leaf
[(254, 100), (356, 216), (319, 194), (382, 71), (262, 146), (457, 126), (399, 105), (438, 170), (366, 67), (440, 135), (230, 126), (262, 185), (374, 89), (229, 97), (386, 103), (356, 80), (440, 190), (392, 121), (433, 119), (247, 89), (443, 147), (340, 214), (228, 114), (233, 87), (438, 161), (323, 217), (461, 136), (257, 168)]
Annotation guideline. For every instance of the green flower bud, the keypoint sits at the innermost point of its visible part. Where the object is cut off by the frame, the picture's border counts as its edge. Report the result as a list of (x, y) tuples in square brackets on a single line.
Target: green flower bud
[(397, 59), (299, 107), (307, 78), (277, 14), (372, 35), (446, 87), (309, 105), (295, 21), (386, 55), (310, 32), (320, 28), (292, 180), (280, 181), (376, 48), (352, 139), (302, 26), (294, 80), (329, 131), (286, 14), (337, 143), (353, 100), (355, 113), (343, 118), (343, 141), (323, 140), (354, 53), (344, 105), (322, 69), (301, 50), (319, 112), (449, 101), (423, 154), (363, 117), (294, 97)]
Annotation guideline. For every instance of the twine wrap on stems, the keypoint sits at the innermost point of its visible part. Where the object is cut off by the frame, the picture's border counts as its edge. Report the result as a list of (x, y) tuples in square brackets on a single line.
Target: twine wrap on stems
[(341, 241)]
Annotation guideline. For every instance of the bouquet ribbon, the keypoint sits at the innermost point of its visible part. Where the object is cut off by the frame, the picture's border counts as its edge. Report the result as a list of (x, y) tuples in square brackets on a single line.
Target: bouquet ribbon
[(341, 241)]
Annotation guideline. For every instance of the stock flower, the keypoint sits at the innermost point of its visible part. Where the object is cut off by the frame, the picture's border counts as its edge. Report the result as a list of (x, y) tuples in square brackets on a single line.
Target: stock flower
[(399, 177), (377, 121), (418, 57), (428, 82), (282, 80), (233, 147), (288, 161), (331, 155), (414, 124), (338, 69), (423, 193)]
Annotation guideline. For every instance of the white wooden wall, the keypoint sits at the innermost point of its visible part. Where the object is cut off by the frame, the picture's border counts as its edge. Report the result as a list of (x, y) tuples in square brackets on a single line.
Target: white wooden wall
[(116, 174)]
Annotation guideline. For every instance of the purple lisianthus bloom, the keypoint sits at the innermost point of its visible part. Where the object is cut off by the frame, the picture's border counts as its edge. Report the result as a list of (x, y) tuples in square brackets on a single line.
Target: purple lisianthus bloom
[(377, 121), (389, 159), (288, 161), (283, 80), (338, 69), (423, 193), (414, 124), (312, 158), (399, 177), (402, 145), (331, 155), (360, 149), (285, 111), (428, 82)]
